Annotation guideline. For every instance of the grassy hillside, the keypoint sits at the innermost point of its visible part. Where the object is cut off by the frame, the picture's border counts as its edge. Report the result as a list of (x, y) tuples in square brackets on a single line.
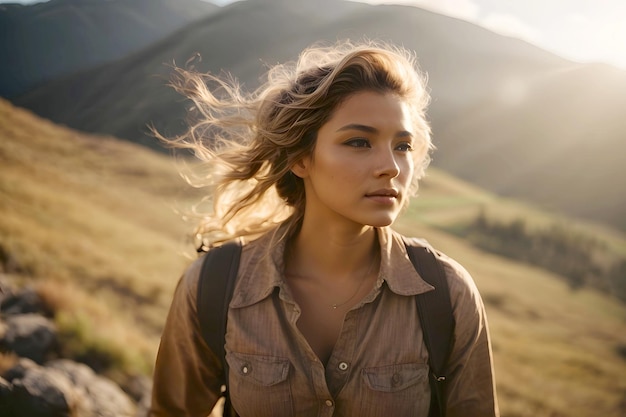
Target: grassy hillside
[(91, 222)]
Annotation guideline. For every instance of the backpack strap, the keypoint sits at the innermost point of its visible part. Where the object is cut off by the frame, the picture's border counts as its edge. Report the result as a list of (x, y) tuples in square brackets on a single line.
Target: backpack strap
[(215, 289), (437, 320)]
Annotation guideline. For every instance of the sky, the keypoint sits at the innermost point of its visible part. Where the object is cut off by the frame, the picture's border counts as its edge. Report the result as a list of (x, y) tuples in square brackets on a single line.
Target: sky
[(579, 30)]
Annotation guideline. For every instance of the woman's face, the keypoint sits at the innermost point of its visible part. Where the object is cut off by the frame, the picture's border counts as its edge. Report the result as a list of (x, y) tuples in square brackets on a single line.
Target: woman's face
[(361, 167)]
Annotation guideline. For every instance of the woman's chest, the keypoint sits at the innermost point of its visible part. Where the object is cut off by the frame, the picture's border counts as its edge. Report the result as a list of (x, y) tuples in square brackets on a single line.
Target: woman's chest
[(375, 361)]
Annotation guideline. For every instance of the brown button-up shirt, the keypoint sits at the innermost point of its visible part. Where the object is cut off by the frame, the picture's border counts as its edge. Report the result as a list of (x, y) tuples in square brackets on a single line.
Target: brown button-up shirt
[(378, 367)]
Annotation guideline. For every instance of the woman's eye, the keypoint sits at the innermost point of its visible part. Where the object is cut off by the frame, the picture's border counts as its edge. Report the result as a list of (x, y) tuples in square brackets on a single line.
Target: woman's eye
[(358, 143), (404, 147)]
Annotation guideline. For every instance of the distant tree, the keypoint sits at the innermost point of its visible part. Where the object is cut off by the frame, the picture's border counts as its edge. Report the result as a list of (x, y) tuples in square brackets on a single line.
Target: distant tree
[(556, 248)]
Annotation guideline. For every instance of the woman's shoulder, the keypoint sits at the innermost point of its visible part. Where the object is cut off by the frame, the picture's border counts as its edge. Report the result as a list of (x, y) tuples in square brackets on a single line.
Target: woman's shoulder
[(191, 275), (460, 281), (194, 270)]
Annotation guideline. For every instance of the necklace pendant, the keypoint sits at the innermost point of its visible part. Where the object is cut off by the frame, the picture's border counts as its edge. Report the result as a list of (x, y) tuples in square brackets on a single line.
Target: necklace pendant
[(334, 306)]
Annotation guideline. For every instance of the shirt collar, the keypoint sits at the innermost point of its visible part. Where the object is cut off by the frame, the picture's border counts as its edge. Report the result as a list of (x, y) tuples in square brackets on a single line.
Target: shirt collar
[(396, 269), (262, 267)]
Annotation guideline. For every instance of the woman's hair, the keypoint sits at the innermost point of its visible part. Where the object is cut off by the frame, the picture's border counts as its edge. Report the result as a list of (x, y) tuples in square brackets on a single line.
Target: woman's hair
[(248, 143)]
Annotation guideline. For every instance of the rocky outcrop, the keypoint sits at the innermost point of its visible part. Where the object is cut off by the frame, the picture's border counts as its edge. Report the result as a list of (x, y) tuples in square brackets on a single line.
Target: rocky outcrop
[(41, 384), (29, 335)]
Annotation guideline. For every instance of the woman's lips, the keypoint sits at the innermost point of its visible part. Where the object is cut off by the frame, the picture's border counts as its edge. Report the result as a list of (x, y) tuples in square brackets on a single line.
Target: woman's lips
[(383, 196)]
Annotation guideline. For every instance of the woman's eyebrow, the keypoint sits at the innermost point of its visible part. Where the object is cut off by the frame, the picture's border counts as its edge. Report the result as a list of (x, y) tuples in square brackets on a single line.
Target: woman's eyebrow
[(370, 129), (356, 126)]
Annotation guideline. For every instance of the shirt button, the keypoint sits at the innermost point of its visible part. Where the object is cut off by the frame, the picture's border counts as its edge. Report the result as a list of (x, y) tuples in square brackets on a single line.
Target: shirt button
[(329, 403), (396, 380), (343, 366), (245, 370)]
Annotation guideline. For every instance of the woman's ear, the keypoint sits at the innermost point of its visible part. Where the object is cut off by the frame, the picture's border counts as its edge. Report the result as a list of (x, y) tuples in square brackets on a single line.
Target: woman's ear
[(301, 168)]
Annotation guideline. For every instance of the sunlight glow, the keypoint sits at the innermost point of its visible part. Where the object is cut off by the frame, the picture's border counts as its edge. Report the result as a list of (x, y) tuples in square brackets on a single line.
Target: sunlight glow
[(579, 30), (584, 39)]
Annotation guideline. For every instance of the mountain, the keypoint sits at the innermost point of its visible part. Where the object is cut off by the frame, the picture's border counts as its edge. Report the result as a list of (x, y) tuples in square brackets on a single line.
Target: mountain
[(506, 115), (121, 97), (47, 40), (89, 222), (560, 143)]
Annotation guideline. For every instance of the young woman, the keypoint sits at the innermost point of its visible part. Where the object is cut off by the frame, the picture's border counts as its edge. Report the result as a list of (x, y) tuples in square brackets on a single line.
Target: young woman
[(311, 171)]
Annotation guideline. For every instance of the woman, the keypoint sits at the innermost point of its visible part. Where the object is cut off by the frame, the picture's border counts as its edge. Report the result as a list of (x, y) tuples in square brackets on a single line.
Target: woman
[(319, 162)]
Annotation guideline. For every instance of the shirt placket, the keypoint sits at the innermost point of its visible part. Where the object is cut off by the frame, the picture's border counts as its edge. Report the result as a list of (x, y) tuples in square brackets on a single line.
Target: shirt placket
[(322, 394), (327, 382), (325, 399), (340, 363)]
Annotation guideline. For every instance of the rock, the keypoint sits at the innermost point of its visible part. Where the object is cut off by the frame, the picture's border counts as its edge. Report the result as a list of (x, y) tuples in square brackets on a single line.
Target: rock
[(19, 369), (99, 396), (24, 302), (43, 393), (29, 335), (143, 407), (139, 387), (61, 388)]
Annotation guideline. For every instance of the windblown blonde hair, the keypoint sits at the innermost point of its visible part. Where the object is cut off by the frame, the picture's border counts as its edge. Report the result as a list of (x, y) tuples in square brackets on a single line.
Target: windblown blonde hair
[(248, 143)]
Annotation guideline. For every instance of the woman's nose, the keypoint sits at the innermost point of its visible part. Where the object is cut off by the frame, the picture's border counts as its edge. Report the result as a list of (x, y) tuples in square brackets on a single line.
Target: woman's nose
[(387, 165)]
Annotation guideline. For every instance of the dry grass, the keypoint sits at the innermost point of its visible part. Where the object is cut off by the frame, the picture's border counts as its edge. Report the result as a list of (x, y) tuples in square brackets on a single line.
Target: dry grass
[(89, 221), (446, 202), (91, 332)]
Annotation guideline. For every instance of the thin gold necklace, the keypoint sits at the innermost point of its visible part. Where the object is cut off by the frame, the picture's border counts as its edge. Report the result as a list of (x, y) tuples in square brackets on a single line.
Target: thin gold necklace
[(358, 289)]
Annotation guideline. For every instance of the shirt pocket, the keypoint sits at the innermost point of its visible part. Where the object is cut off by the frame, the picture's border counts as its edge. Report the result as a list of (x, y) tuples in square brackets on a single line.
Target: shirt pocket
[(399, 390), (259, 385)]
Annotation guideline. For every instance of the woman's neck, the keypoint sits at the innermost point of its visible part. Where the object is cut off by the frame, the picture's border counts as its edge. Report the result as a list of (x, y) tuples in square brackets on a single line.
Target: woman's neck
[(332, 253)]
